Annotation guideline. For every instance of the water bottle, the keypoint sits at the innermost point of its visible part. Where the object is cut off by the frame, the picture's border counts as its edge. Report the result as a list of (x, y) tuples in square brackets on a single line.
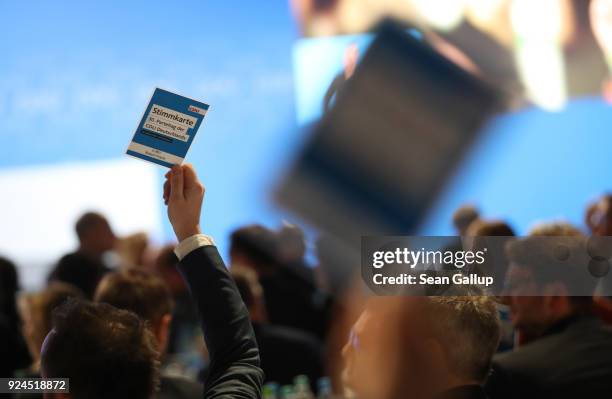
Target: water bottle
[(270, 390), (286, 392), (324, 388)]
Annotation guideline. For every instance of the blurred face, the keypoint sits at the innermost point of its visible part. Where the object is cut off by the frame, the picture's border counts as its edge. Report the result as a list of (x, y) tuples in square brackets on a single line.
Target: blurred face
[(101, 237), (374, 358), (603, 218), (529, 313)]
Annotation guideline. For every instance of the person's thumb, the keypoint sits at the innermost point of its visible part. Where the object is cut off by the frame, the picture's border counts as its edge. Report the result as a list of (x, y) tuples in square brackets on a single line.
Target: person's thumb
[(176, 185)]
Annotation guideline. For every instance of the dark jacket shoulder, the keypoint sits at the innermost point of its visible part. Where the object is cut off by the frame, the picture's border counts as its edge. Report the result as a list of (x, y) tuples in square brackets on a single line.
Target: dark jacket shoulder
[(576, 358)]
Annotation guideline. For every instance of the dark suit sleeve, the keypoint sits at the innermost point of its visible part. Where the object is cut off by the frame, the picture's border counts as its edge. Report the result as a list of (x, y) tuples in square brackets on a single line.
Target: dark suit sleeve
[(234, 356)]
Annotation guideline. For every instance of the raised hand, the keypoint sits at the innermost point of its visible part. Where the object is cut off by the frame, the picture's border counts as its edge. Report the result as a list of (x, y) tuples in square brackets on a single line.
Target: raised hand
[(183, 194)]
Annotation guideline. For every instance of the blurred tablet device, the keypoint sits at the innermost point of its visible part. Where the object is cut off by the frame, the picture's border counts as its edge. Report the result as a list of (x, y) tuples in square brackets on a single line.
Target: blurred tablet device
[(398, 126)]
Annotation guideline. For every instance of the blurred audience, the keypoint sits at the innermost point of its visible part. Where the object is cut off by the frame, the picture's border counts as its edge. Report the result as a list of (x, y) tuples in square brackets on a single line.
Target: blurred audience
[(148, 297), (86, 266), (568, 352), (285, 352), (424, 347), (13, 349), (497, 267), (291, 299), (291, 251)]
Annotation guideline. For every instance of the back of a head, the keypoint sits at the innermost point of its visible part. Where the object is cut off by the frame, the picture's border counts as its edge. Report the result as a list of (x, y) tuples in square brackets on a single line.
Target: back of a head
[(80, 271), (464, 216), (255, 245), (555, 229), (556, 253), (138, 291), (165, 267), (104, 351), (291, 244), (494, 228), (38, 308), (468, 328), (166, 259), (88, 221)]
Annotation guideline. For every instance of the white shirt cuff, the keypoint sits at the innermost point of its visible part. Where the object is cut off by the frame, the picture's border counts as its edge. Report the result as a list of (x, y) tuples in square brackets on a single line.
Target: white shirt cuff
[(190, 243)]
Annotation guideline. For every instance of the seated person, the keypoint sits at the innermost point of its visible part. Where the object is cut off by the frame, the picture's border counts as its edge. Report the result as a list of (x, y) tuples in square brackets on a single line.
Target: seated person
[(110, 353), (185, 335), (36, 310), (148, 297), (598, 216), (85, 267), (13, 348), (276, 342), (291, 298), (422, 347), (569, 353)]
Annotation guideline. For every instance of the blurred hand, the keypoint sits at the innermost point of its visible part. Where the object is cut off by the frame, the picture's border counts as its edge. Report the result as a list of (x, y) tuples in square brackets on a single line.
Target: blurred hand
[(183, 193)]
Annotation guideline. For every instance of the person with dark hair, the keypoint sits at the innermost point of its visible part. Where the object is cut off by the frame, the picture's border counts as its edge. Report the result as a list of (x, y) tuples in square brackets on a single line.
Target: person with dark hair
[(276, 342), (13, 349), (486, 228), (463, 217), (9, 285), (85, 267), (148, 297), (254, 246), (599, 216), (184, 335), (568, 352), (292, 299), (291, 245), (104, 351)]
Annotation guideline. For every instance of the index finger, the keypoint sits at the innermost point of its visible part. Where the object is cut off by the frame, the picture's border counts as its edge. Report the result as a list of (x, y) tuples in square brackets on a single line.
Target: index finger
[(191, 178)]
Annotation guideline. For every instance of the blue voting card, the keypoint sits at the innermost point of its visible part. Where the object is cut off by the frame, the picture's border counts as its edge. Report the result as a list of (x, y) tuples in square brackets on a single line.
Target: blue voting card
[(167, 128)]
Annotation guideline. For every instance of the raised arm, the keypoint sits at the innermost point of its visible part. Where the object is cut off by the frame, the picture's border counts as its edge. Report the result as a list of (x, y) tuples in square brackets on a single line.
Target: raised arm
[(234, 368)]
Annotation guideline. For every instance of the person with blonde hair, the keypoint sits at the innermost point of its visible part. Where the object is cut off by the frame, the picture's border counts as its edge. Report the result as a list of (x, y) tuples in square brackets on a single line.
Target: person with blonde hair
[(36, 310)]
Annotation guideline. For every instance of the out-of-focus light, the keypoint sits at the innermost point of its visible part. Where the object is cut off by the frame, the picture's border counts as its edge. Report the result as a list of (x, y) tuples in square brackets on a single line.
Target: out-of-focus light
[(601, 20), (484, 11), (537, 29), (536, 19), (491, 17), (441, 14), (607, 91)]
